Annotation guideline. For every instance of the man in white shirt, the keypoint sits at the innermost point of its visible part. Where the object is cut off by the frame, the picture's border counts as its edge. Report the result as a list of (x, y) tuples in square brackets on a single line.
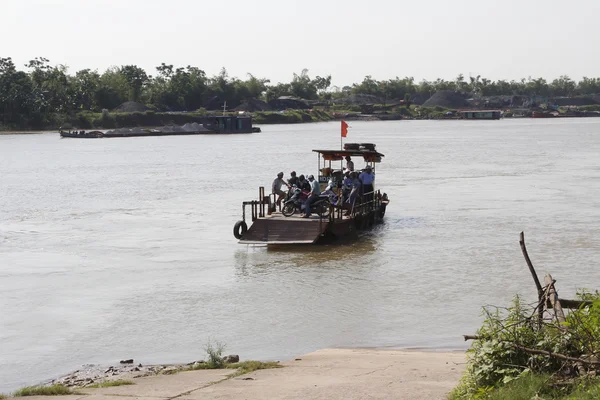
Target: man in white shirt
[(349, 164), (276, 188)]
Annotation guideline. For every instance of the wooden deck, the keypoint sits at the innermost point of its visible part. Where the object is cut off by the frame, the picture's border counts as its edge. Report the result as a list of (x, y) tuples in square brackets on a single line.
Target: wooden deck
[(278, 229)]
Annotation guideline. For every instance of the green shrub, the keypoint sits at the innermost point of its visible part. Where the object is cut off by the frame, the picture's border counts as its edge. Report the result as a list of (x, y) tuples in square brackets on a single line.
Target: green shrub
[(251, 366), (119, 382), (502, 354), (215, 355), (54, 390)]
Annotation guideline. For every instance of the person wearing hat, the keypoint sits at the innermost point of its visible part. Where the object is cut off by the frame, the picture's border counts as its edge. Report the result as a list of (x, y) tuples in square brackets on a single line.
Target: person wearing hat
[(276, 188), (315, 191), (367, 177)]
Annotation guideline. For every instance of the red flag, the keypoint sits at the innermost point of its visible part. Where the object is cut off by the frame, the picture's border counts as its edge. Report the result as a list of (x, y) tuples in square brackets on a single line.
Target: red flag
[(344, 129)]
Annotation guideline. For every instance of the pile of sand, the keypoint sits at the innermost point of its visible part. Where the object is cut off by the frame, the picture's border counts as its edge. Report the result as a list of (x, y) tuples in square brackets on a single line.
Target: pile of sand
[(128, 130), (131, 106), (252, 105), (446, 99)]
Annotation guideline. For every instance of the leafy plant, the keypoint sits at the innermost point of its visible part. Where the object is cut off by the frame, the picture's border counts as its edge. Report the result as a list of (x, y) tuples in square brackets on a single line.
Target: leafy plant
[(514, 347), (215, 355)]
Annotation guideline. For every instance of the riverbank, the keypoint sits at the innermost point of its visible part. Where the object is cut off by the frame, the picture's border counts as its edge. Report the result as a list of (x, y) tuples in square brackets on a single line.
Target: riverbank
[(324, 374), (87, 120)]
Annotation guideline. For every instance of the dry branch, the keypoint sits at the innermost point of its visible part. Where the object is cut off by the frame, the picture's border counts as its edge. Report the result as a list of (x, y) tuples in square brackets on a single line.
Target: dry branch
[(556, 355)]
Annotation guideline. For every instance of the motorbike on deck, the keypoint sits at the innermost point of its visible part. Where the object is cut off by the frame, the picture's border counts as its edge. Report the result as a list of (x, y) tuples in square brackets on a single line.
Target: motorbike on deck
[(321, 206)]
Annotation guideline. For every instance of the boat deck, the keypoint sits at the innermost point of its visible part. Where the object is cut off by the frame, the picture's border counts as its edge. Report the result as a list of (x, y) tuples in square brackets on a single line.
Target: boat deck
[(278, 229)]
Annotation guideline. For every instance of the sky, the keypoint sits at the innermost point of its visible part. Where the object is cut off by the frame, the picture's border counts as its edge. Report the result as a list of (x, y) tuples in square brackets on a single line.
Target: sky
[(427, 39)]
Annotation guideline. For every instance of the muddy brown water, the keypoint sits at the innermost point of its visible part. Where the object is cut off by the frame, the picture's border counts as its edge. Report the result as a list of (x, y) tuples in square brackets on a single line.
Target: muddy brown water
[(123, 248)]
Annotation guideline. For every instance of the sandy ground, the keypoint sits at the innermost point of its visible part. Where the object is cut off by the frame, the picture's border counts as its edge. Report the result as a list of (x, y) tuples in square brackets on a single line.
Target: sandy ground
[(326, 374)]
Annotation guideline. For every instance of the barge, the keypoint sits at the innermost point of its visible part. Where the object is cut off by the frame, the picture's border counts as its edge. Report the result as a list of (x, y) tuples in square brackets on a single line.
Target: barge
[(479, 114), (210, 125), (343, 220)]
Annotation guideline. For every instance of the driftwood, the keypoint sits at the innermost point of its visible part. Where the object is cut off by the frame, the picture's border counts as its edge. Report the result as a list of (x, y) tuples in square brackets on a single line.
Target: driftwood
[(538, 285), (548, 298), (555, 355), (550, 303), (552, 297), (574, 304), (540, 352)]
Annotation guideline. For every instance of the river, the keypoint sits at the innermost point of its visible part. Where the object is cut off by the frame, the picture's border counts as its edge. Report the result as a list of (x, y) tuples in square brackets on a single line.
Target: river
[(123, 248)]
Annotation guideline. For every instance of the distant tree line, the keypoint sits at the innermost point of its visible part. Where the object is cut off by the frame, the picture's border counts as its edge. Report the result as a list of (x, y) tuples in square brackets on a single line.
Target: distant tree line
[(477, 86), (42, 94)]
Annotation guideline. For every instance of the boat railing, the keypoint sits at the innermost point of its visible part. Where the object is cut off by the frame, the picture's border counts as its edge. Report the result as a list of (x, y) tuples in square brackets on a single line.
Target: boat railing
[(259, 208), (364, 204), (367, 203)]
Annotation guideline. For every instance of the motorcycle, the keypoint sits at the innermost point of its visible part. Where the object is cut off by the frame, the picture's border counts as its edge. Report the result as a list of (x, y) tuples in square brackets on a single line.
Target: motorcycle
[(321, 206)]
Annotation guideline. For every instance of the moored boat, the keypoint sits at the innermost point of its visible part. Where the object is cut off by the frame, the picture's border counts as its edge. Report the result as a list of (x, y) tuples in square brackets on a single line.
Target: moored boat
[(81, 134), (342, 219)]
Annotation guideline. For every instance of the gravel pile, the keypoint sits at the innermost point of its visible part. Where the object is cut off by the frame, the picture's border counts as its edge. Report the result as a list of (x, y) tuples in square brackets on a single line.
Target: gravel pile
[(446, 99), (131, 106)]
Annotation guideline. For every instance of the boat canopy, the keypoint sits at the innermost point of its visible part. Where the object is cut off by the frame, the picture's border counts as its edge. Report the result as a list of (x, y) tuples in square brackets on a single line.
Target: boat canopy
[(336, 155)]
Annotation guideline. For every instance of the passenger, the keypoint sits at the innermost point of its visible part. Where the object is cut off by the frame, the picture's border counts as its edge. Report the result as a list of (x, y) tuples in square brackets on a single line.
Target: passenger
[(315, 191), (303, 184), (349, 164), (276, 188), (367, 178), (293, 180), (346, 184), (356, 190)]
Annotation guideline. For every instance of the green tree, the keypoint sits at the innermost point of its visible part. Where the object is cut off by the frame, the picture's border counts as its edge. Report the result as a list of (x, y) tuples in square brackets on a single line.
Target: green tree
[(589, 86), (563, 86), (135, 77), (113, 89), (85, 86)]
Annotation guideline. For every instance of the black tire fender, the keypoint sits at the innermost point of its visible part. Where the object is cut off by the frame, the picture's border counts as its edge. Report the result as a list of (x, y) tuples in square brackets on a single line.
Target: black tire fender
[(239, 229)]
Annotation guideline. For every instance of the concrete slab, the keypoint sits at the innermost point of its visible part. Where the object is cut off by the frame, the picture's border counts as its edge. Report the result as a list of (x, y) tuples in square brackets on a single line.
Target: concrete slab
[(347, 374), (69, 397), (109, 397), (163, 386), (326, 374)]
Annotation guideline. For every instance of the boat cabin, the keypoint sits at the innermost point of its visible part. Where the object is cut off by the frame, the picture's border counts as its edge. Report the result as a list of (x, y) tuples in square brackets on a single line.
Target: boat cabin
[(331, 163), (229, 124)]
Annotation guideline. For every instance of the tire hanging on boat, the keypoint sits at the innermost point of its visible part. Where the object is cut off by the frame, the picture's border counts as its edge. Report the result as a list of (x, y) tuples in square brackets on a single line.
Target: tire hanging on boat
[(239, 229)]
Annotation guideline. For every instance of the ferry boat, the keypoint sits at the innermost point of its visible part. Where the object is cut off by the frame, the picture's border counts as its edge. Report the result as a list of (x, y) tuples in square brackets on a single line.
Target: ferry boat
[(268, 225), (226, 124)]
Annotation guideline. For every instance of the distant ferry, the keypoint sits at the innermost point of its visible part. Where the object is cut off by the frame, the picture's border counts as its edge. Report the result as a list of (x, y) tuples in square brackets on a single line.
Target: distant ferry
[(210, 125), (334, 217), (480, 114)]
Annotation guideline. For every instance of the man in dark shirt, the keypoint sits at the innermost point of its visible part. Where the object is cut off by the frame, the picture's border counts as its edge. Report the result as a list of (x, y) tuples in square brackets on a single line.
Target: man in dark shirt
[(303, 184), (293, 180)]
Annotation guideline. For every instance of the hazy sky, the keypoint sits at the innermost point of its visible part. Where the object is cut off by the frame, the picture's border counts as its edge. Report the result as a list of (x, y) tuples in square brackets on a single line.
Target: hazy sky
[(348, 39)]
